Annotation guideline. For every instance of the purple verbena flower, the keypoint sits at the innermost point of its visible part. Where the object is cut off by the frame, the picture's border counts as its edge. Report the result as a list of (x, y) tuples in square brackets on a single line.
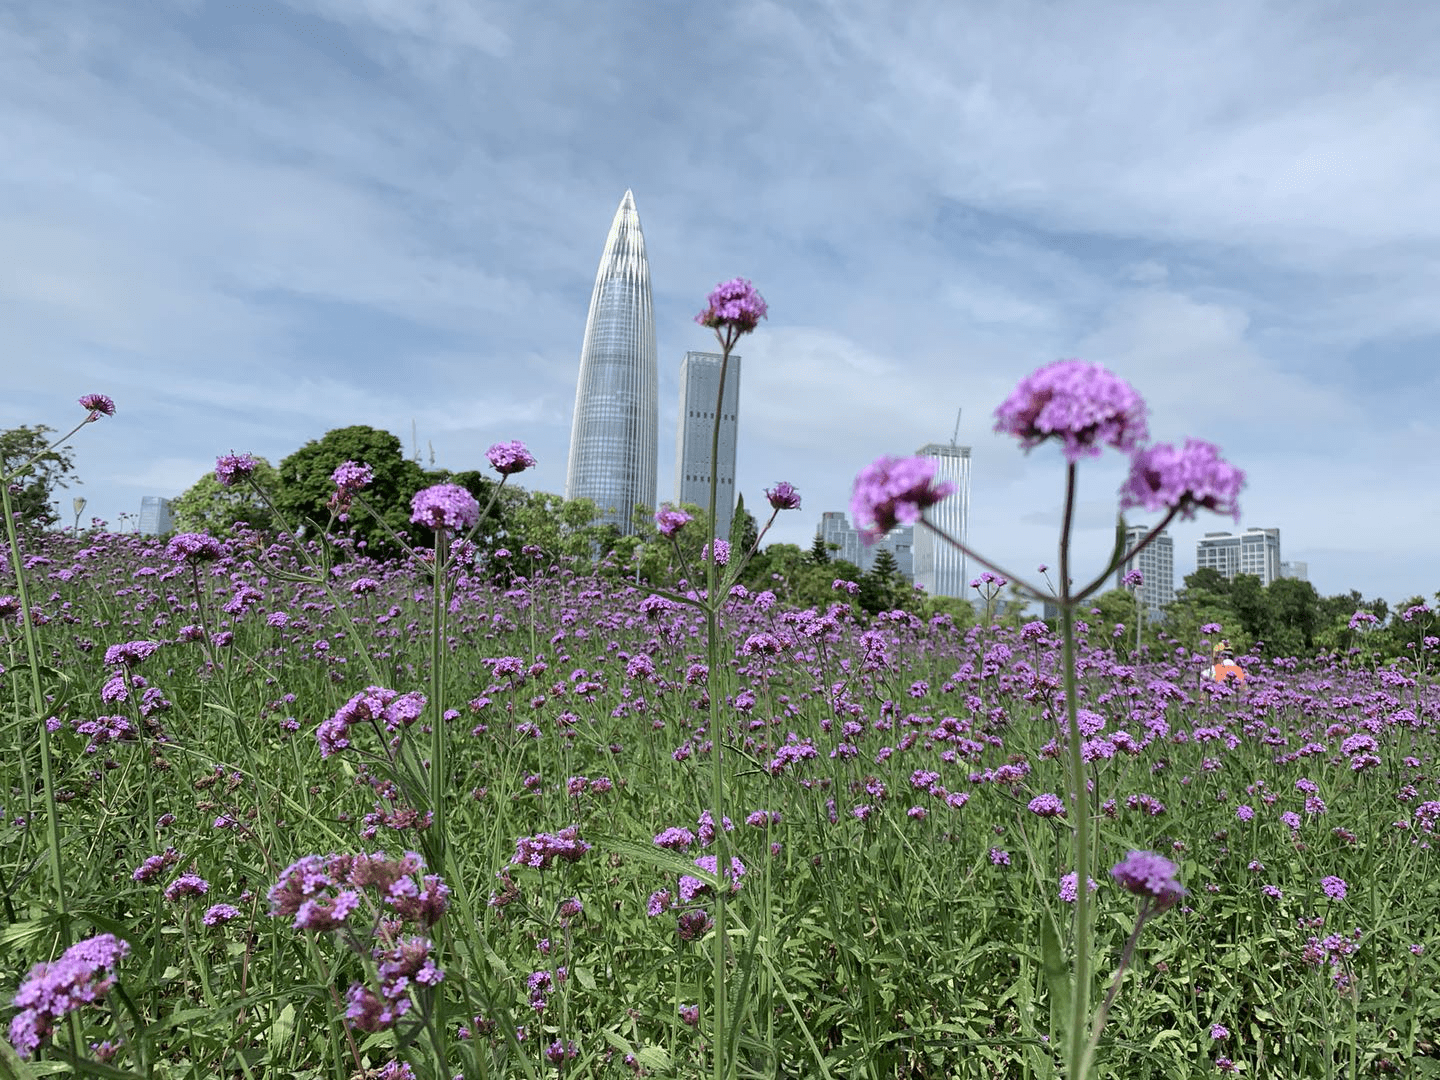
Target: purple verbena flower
[(733, 304), (81, 976), (1335, 887), (1070, 887), (783, 496), (510, 458), (131, 652), (1083, 405), (670, 521), (1047, 805), (1147, 874), (98, 404), (220, 914), (232, 467), (186, 885), (193, 547), (892, 490), (444, 506), (1165, 478), (350, 476)]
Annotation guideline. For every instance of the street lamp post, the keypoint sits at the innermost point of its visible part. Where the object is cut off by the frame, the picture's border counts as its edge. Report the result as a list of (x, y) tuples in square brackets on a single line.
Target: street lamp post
[(79, 505)]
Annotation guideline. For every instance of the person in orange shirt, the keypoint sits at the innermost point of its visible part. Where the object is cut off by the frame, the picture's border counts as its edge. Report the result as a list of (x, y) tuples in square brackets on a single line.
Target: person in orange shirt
[(1225, 667)]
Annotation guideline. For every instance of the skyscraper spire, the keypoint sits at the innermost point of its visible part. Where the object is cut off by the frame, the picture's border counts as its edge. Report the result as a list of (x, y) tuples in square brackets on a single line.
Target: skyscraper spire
[(614, 442)]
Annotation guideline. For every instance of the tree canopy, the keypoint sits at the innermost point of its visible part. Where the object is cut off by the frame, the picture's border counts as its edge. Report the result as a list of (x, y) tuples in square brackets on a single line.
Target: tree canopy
[(52, 469)]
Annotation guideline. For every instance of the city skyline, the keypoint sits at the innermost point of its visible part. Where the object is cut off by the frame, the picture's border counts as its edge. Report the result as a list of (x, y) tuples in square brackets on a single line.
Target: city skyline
[(614, 437), (252, 224)]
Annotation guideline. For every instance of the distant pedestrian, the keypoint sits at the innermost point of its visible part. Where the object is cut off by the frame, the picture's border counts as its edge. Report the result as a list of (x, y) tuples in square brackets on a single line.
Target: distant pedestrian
[(1225, 668)]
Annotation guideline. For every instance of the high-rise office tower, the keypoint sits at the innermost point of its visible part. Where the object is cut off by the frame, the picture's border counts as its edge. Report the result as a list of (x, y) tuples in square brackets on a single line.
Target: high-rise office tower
[(1156, 565), (844, 542), (1254, 551), (699, 388), (939, 567), (156, 516), (614, 442)]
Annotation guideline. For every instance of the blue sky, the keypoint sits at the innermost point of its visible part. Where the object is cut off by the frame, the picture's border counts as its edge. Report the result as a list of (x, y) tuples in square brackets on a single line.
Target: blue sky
[(252, 223)]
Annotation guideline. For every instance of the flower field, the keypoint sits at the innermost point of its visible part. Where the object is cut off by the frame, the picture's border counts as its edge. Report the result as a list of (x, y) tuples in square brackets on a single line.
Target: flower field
[(295, 883)]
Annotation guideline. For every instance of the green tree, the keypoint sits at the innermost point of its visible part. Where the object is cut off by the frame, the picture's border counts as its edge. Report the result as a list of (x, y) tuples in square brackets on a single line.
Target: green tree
[(306, 487), (881, 585), (819, 553), (1294, 613), (1204, 599), (556, 525), (209, 506), (52, 469)]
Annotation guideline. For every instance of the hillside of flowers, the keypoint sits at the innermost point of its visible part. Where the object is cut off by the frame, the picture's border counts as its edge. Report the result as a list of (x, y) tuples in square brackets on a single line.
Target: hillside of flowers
[(253, 880)]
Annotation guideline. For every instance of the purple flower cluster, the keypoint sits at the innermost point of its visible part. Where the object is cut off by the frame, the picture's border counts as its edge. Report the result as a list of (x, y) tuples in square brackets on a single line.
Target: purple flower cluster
[(444, 506), (783, 496), (540, 850), (1083, 405), (53, 990), (397, 966), (351, 477), (1047, 805), (892, 490), (319, 892), (670, 521), (186, 885), (690, 886), (1334, 887), (193, 548), (1149, 875), (1164, 478), (98, 404), (375, 705), (510, 458), (733, 304), (232, 467), (131, 652)]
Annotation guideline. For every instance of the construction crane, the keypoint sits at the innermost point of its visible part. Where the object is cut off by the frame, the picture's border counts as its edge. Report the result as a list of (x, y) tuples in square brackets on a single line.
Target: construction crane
[(956, 434)]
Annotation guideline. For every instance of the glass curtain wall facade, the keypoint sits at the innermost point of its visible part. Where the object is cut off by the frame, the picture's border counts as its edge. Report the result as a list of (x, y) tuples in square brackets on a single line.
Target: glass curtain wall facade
[(940, 569), (699, 387), (1254, 551), (614, 441)]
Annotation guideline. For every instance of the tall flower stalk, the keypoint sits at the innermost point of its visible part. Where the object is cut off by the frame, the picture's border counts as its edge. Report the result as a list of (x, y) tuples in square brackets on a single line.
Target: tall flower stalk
[(96, 406), (1086, 409), (735, 308)]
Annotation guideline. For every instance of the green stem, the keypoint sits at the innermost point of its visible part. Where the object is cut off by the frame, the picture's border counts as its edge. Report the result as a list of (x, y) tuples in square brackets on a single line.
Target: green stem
[(717, 772), (37, 705), (1080, 992)]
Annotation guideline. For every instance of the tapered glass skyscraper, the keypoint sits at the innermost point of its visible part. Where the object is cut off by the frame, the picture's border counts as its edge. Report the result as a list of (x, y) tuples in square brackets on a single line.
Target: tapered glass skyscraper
[(614, 442)]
